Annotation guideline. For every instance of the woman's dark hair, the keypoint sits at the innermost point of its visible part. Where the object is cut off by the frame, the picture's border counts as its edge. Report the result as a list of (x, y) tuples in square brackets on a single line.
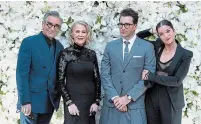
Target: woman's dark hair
[(130, 12), (162, 23)]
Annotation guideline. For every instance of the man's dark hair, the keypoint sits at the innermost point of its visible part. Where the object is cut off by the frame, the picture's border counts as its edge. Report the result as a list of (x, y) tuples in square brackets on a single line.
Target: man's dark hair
[(130, 12)]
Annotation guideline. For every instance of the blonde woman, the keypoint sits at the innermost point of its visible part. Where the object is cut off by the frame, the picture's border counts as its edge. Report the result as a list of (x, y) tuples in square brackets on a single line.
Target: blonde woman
[(78, 77)]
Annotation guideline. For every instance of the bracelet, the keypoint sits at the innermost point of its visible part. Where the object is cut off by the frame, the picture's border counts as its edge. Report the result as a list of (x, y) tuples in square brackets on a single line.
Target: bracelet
[(69, 102), (97, 102)]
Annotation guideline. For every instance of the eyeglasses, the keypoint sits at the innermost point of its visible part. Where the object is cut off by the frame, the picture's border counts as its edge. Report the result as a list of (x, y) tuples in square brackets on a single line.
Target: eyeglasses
[(49, 25), (126, 25)]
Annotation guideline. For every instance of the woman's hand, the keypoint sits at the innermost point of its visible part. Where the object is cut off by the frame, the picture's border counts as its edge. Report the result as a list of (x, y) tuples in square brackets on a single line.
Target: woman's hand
[(153, 31), (93, 108), (73, 110), (145, 75)]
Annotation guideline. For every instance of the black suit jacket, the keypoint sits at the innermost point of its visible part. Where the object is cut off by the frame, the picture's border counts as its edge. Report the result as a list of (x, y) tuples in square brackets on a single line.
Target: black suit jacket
[(176, 72)]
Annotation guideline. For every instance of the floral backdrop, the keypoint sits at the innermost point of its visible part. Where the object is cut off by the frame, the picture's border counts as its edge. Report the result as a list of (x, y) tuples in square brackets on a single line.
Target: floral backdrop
[(21, 19)]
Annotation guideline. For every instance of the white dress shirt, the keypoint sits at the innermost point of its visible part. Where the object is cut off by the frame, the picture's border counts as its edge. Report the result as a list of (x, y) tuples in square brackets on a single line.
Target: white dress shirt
[(131, 41)]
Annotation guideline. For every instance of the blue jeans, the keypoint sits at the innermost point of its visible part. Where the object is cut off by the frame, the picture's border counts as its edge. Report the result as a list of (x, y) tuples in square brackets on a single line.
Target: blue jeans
[(35, 118)]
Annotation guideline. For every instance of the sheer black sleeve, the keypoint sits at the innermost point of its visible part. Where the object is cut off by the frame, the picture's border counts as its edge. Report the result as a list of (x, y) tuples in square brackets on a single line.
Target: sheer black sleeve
[(145, 33), (61, 66), (97, 80)]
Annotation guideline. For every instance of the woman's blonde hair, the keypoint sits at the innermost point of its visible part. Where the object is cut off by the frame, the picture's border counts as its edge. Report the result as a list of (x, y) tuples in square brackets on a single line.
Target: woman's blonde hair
[(89, 31)]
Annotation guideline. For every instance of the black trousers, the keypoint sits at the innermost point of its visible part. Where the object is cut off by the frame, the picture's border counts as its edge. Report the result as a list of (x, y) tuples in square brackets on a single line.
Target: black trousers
[(159, 108)]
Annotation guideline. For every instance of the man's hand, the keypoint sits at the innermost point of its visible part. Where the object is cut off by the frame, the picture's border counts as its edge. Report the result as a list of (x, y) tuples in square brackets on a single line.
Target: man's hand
[(124, 109), (116, 99), (26, 109), (121, 102)]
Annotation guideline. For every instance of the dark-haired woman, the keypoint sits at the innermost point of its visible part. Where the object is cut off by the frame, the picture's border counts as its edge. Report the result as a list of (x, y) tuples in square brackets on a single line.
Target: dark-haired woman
[(165, 99)]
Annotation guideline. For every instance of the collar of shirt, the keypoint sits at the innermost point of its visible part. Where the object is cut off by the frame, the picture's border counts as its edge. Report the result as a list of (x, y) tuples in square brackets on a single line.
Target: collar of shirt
[(48, 41), (132, 40)]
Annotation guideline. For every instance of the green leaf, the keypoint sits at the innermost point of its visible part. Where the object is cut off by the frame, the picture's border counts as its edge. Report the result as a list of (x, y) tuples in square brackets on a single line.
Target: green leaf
[(182, 7), (46, 9), (194, 93), (181, 37), (98, 19), (186, 112), (70, 20), (151, 38), (169, 4), (189, 105)]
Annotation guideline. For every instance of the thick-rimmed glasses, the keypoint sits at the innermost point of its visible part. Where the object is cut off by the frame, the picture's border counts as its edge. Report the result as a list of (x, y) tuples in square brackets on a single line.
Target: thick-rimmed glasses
[(49, 25), (125, 25)]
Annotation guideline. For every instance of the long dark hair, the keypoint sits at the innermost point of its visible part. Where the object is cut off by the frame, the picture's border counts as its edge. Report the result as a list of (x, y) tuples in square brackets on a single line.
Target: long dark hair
[(162, 23)]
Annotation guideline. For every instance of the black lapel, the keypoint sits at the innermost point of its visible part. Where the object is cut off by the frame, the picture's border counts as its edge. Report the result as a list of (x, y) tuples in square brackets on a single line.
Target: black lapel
[(57, 50), (176, 59)]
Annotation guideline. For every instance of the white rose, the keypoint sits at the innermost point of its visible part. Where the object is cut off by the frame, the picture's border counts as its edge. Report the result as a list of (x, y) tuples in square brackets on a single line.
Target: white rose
[(96, 26), (104, 29), (64, 27), (103, 22), (115, 32), (13, 35)]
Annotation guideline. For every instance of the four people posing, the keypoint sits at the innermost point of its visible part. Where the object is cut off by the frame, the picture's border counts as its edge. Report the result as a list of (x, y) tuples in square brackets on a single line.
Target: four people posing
[(127, 74)]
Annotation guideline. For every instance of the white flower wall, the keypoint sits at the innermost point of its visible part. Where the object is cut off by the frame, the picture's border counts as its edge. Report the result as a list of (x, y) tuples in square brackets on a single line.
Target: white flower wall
[(21, 19)]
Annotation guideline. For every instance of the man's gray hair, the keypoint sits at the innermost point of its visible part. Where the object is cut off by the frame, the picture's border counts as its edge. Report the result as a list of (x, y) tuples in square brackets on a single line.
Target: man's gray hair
[(52, 13)]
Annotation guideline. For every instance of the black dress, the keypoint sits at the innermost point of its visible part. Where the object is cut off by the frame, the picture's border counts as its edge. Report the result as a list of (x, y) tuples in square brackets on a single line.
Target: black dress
[(79, 82)]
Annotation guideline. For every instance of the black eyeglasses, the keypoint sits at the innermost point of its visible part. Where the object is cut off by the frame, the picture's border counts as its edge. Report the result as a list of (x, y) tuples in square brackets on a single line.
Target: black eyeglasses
[(125, 25), (49, 25)]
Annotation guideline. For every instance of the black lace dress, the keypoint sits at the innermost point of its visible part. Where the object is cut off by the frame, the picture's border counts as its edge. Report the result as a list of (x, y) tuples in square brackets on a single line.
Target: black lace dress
[(79, 82)]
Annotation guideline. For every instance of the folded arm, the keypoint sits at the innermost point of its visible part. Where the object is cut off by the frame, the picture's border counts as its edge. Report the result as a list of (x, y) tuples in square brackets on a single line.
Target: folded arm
[(177, 78)]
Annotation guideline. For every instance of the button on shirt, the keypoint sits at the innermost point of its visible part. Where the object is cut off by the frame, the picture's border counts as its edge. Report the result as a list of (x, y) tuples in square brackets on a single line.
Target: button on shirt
[(131, 41)]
